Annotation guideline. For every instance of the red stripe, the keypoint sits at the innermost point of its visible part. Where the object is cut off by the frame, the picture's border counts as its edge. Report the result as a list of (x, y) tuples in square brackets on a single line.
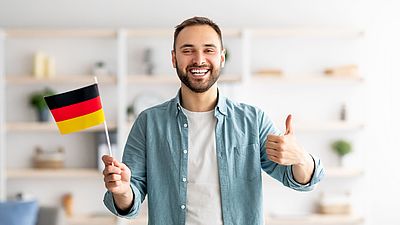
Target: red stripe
[(76, 110)]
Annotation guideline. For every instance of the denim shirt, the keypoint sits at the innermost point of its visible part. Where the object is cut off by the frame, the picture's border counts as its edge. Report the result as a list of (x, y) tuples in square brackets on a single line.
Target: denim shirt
[(157, 154)]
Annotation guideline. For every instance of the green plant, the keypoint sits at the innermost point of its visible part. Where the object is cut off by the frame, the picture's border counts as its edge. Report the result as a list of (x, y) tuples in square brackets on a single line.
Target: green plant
[(227, 55), (37, 100), (342, 147)]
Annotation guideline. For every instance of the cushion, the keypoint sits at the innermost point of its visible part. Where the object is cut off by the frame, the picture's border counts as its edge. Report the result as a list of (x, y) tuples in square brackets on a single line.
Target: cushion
[(18, 213)]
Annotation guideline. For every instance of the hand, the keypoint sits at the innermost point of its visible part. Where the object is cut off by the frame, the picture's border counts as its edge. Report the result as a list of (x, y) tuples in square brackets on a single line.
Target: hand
[(116, 176), (284, 149)]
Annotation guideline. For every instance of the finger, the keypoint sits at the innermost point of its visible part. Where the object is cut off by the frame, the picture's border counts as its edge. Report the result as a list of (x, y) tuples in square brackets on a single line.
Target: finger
[(273, 145), (112, 185), (108, 160), (118, 164), (112, 178), (277, 160), (272, 152), (111, 170), (274, 138), (289, 128)]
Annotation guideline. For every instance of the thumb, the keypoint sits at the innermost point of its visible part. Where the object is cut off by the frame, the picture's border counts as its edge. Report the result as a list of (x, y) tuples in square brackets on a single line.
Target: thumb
[(289, 128)]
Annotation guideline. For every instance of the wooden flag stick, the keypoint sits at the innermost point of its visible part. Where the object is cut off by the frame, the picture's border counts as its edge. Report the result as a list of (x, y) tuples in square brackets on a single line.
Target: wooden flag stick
[(105, 126)]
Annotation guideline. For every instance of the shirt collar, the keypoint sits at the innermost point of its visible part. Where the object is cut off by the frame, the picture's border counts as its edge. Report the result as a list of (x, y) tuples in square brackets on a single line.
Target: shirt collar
[(220, 107)]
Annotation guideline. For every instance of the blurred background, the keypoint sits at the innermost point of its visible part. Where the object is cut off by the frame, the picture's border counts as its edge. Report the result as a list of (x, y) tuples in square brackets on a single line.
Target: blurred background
[(332, 64)]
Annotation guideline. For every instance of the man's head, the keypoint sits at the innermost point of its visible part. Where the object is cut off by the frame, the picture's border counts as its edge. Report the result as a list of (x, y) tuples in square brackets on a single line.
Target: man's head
[(197, 21), (198, 53)]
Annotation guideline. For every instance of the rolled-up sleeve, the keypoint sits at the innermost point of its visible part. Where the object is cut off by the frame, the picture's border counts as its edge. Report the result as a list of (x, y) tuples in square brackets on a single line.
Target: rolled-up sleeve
[(135, 158), (132, 212), (282, 173), (316, 177)]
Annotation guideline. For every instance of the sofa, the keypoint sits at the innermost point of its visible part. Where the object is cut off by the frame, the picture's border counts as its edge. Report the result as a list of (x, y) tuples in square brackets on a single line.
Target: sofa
[(30, 213)]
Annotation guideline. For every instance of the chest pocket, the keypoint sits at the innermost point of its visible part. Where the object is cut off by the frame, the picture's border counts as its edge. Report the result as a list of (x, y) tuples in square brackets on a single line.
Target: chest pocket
[(247, 161)]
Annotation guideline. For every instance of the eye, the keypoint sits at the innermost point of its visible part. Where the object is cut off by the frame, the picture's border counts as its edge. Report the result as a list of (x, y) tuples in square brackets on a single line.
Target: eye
[(210, 50), (187, 51)]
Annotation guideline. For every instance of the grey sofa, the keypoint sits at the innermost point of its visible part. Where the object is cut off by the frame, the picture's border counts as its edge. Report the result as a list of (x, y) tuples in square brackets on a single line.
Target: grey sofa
[(49, 215)]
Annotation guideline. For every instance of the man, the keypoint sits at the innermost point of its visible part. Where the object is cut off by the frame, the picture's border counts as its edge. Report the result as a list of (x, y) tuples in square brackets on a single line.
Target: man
[(199, 156)]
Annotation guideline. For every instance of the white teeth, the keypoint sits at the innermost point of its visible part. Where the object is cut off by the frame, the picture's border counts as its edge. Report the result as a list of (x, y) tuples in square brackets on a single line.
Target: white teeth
[(199, 71)]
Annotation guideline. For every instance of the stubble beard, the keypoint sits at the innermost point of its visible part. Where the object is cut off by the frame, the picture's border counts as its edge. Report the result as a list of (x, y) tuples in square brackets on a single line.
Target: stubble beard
[(198, 86)]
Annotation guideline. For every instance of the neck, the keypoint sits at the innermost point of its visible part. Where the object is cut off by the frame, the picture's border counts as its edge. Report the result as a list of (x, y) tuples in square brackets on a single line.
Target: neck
[(199, 102)]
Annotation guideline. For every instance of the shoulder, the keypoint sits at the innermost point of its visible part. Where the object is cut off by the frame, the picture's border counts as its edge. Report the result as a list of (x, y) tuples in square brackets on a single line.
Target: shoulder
[(156, 110), (243, 109)]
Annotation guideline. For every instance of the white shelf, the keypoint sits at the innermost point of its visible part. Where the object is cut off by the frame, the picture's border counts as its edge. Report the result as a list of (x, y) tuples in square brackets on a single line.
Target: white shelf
[(341, 172), (49, 127), (318, 32), (60, 33), (59, 79), (53, 173), (315, 32), (172, 79), (317, 219), (306, 80), (327, 126), (168, 33), (91, 220)]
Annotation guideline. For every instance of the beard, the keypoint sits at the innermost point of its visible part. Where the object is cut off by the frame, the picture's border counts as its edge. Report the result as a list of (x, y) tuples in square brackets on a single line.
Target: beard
[(198, 86)]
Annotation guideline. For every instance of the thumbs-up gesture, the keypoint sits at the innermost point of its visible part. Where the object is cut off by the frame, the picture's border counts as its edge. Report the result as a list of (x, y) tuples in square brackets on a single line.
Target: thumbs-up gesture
[(284, 149)]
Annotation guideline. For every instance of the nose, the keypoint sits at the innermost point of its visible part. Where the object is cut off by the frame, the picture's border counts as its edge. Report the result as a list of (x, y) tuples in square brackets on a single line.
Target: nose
[(199, 58)]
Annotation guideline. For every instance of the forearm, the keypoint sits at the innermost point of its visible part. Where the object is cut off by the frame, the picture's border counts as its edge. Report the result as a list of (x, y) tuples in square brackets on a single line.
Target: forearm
[(124, 202), (303, 171)]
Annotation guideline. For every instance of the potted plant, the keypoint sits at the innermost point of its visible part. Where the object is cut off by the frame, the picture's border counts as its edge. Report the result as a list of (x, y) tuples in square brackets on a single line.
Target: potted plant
[(37, 101), (342, 148), (130, 112)]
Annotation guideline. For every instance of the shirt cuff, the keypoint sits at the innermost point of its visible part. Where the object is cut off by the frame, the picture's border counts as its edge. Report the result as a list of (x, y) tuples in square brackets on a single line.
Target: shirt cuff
[(132, 212), (317, 175)]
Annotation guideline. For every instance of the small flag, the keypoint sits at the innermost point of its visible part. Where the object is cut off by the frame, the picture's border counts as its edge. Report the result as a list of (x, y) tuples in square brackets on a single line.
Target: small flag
[(77, 109)]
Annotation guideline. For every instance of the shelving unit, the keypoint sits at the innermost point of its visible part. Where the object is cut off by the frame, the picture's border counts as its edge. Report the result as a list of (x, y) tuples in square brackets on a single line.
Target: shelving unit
[(91, 220), (316, 219), (172, 79), (294, 79), (122, 79), (59, 79), (50, 127), (340, 172), (53, 173), (329, 126)]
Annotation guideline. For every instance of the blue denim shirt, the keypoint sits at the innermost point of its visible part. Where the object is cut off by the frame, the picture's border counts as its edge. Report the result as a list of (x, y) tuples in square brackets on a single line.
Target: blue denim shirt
[(157, 154)]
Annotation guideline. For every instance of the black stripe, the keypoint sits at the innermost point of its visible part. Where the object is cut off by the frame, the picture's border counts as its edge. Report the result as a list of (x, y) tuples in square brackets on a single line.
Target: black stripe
[(72, 97)]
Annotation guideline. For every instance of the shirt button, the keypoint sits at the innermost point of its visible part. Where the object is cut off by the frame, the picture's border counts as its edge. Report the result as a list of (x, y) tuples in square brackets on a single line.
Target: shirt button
[(183, 206), (185, 125), (185, 151), (184, 179)]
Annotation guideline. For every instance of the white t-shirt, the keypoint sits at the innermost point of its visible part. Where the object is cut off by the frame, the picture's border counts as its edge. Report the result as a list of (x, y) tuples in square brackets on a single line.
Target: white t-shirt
[(203, 188)]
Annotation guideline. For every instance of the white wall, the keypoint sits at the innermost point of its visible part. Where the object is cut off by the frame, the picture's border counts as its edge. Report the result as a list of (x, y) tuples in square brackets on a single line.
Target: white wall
[(377, 55)]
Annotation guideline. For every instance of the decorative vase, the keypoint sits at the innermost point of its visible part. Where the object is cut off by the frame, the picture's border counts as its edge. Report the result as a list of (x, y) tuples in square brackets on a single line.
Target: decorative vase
[(43, 115)]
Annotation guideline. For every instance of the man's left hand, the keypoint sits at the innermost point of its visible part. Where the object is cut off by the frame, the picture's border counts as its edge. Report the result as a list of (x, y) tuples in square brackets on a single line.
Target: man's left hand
[(284, 149)]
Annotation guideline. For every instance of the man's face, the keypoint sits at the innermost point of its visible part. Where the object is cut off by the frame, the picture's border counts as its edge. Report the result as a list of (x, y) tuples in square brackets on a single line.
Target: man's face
[(198, 57)]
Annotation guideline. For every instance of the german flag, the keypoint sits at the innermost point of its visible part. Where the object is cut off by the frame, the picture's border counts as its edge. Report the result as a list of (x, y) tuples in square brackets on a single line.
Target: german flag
[(77, 109)]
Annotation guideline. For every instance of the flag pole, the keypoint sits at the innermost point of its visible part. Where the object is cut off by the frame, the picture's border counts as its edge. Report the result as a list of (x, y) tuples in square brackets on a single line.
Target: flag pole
[(105, 126)]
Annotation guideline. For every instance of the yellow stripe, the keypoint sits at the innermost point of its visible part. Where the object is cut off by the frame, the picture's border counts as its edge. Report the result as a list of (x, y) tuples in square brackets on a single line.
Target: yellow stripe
[(82, 122)]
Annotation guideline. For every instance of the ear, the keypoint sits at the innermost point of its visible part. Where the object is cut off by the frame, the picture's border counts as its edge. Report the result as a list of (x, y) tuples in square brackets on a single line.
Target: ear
[(223, 52), (173, 58)]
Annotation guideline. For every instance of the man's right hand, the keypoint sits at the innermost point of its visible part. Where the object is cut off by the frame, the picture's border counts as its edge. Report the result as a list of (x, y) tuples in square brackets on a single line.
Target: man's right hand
[(116, 176)]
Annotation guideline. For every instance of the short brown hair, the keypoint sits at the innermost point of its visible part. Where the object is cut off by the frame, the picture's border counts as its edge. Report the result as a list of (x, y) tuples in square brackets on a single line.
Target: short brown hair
[(197, 21)]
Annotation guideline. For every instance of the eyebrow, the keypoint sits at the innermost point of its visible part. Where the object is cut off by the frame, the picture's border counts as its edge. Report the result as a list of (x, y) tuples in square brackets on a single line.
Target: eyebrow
[(191, 46)]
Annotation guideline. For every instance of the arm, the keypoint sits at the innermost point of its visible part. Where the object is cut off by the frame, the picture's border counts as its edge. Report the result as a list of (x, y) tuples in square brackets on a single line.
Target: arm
[(285, 160), (117, 181), (127, 202)]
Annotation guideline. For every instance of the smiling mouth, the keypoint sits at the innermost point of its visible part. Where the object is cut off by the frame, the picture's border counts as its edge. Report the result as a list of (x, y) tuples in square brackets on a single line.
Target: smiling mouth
[(197, 72)]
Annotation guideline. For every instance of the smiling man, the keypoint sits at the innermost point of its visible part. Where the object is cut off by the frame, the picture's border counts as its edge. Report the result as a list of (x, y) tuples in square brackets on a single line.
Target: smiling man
[(199, 156)]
